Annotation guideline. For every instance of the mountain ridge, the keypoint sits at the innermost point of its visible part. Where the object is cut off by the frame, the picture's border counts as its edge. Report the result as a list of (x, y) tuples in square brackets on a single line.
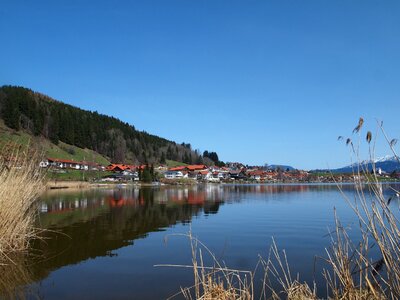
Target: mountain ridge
[(387, 164), (40, 115)]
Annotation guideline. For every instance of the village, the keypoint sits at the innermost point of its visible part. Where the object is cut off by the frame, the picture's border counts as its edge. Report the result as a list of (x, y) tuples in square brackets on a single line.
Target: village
[(189, 174)]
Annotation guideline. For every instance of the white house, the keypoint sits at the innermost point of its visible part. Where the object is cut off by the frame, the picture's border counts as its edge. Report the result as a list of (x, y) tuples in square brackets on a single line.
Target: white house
[(174, 175)]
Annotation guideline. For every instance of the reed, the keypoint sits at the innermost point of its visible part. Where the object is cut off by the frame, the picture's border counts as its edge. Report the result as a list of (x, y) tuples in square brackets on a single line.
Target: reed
[(357, 270), (21, 182), (213, 282), (369, 268)]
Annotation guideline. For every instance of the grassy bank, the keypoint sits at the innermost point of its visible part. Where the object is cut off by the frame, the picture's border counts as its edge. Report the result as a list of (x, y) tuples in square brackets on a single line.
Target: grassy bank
[(75, 175), (67, 184)]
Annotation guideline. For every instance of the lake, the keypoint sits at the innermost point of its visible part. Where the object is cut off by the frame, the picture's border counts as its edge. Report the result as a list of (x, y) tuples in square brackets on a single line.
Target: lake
[(104, 243)]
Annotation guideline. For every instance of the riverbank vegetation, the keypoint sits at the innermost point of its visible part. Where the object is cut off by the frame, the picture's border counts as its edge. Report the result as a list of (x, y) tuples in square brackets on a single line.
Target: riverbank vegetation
[(21, 182)]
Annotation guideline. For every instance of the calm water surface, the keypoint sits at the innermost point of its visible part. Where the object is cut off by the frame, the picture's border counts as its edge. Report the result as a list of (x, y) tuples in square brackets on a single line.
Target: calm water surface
[(104, 243)]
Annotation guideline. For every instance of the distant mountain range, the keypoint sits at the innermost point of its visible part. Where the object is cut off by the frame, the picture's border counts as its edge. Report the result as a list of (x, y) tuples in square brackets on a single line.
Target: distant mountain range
[(387, 164), (282, 167)]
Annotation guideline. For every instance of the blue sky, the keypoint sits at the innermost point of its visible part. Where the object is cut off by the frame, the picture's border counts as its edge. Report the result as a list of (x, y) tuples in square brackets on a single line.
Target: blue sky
[(256, 81)]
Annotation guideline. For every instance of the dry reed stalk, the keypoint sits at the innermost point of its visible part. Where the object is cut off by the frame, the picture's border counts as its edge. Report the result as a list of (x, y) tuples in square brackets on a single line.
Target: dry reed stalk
[(21, 182), (276, 270), (353, 272), (214, 283)]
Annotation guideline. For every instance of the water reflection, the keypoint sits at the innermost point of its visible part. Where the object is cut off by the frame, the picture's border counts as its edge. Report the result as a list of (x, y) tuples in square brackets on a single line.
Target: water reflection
[(88, 224), (16, 274), (95, 223)]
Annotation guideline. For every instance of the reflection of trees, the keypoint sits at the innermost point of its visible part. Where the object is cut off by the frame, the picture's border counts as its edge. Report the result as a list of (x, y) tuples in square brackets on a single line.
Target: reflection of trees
[(96, 222), (110, 220)]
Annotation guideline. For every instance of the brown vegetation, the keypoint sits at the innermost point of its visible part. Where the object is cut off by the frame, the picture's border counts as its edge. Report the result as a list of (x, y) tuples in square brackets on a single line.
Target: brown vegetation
[(20, 184)]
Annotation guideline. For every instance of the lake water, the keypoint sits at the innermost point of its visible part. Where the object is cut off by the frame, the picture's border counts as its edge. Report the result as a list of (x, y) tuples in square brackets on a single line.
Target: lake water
[(104, 243)]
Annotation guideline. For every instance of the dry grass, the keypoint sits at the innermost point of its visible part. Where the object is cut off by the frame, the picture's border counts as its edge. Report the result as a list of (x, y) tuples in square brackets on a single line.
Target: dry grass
[(20, 184), (366, 269), (216, 282)]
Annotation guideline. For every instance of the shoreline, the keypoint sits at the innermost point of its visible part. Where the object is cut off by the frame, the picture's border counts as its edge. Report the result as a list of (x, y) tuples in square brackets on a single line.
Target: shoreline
[(62, 185)]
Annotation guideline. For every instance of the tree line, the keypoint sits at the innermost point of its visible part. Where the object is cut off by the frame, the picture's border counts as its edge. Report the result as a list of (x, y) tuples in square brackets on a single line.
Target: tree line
[(40, 115)]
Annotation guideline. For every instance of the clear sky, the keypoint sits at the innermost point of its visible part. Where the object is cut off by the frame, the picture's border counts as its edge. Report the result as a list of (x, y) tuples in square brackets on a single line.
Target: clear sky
[(256, 81)]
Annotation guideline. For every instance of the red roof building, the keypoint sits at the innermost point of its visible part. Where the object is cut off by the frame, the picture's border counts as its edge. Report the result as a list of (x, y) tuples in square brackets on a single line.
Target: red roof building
[(116, 167), (196, 167)]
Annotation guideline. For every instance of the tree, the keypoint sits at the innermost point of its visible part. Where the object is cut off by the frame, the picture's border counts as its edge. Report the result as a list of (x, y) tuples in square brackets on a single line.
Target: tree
[(152, 171), (21, 108), (11, 113), (146, 175), (199, 160), (162, 159)]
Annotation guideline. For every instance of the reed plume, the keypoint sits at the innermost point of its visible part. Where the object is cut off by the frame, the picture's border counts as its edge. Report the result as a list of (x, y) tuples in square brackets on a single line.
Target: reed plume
[(21, 182)]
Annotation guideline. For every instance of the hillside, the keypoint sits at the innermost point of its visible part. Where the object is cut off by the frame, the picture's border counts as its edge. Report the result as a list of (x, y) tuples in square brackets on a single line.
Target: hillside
[(47, 149), (65, 131)]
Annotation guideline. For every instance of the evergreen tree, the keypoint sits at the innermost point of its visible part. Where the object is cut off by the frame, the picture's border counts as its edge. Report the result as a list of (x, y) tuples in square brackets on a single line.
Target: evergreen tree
[(152, 172), (199, 160), (162, 159), (146, 176), (24, 109)]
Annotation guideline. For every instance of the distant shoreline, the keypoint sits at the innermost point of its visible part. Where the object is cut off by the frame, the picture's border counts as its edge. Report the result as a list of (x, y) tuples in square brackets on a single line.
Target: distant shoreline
[(62, 185)]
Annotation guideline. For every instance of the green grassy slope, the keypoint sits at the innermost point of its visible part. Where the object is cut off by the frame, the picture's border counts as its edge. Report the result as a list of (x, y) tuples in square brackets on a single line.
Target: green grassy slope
[(46, 149), (66, 151), (173, 163)]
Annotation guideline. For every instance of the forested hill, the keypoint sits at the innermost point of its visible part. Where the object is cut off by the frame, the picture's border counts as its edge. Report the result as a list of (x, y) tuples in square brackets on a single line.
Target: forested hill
[(40, 115)]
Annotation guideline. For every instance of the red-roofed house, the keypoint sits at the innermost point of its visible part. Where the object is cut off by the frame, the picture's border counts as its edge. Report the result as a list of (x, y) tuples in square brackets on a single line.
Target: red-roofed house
[(196, 167), (257, 175), (116, 168), (180, 168)]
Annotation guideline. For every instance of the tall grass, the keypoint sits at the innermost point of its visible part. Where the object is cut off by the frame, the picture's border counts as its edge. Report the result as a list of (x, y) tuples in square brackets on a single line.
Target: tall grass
[(21, 182), (368, 268)]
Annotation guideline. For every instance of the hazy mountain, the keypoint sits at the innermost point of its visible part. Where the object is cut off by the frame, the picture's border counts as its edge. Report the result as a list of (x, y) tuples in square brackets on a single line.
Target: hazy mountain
[(387, 164), (282, 167)]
